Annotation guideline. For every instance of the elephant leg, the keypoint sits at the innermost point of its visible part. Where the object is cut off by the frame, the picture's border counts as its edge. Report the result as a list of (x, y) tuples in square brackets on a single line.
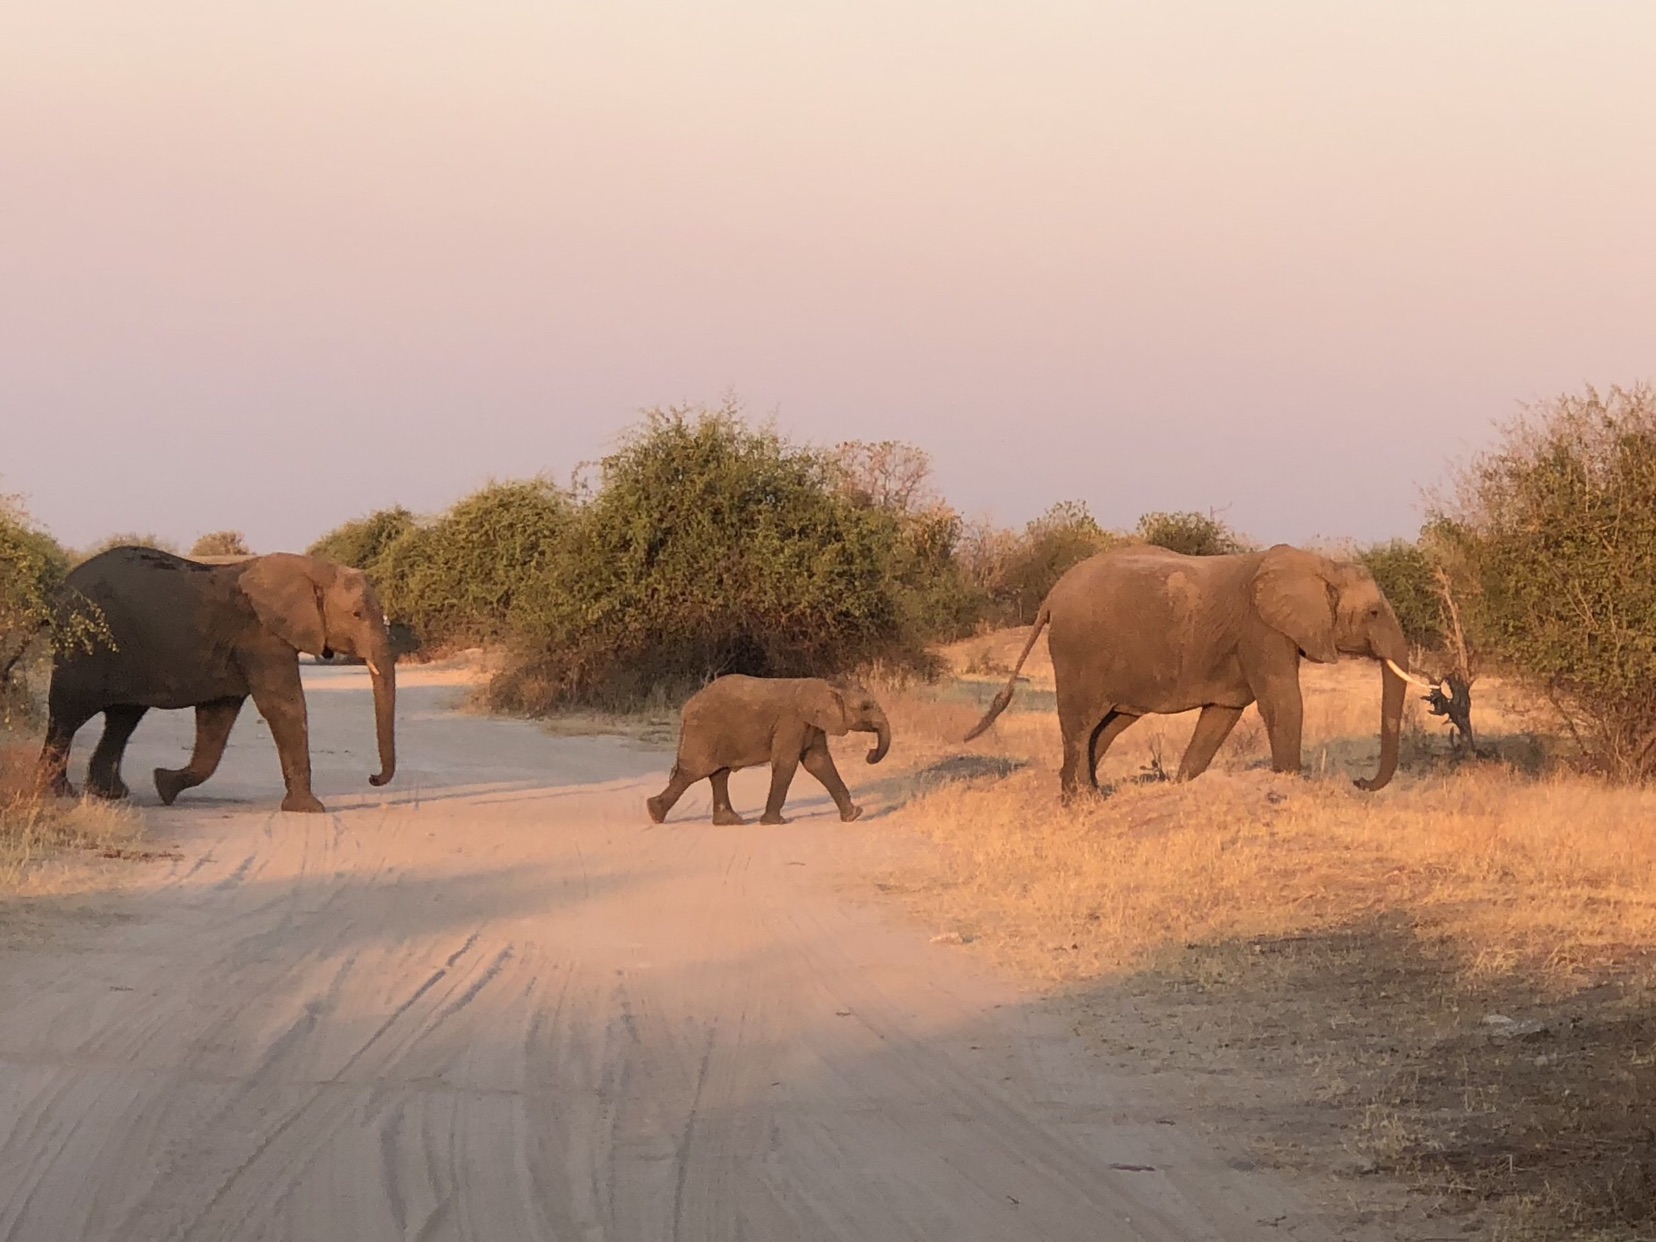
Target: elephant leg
[(819, 762), (1213, 726), (103, 773), (784, 762), (1078, 722), (1283, 711), (677, 783), (1110, 728), (280, 698), (213, 724), (723, 813), (62, 723)]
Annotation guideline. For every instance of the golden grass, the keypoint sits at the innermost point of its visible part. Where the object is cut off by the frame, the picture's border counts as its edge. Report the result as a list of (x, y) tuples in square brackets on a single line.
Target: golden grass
[(33, 828), (1327, 956), (1555, 870)]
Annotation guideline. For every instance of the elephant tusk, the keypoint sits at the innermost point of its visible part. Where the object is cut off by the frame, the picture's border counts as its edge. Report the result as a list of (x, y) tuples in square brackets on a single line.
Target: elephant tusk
[(372, 667), (1407, 676)]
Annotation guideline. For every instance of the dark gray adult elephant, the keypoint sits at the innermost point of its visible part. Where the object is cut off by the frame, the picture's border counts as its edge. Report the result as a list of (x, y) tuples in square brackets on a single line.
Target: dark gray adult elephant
[(188, 634), (741, 722), (1142, 630)]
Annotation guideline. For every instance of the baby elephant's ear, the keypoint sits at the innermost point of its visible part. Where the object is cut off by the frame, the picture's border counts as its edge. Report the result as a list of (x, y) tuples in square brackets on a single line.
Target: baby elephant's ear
[(824, 707)]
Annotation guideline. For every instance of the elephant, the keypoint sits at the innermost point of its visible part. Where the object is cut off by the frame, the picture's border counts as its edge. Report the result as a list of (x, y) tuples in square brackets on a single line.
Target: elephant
[(738, 721), (1142, 630), (188, 634)]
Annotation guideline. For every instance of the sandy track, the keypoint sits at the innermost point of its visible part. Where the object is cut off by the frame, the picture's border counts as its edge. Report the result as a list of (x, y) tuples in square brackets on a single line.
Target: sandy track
[(498, 1004)]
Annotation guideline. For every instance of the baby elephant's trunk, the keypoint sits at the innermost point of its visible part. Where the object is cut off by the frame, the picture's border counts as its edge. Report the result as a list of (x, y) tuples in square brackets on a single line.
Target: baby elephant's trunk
[(882, 735)]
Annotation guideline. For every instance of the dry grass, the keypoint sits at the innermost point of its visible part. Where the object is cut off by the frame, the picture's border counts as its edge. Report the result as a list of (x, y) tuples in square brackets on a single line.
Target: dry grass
[(33, 828), (1521, 865), (1353, 940)]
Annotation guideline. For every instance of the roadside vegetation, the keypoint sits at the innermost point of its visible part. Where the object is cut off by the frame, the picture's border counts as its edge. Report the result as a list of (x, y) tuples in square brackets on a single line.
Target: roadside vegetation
[(32, 565)]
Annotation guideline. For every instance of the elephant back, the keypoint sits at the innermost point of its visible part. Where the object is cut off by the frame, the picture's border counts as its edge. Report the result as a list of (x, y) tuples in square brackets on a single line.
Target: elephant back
[(172, 623)]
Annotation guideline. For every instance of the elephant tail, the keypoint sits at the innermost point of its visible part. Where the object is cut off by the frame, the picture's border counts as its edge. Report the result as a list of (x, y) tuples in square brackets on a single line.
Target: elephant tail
[(1004, 698)]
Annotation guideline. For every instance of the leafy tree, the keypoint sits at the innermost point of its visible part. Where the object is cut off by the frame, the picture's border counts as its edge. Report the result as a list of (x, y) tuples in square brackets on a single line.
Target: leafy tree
[(708, 547), (361, 542), (1553, 535), (455, 579), (1407, 572)]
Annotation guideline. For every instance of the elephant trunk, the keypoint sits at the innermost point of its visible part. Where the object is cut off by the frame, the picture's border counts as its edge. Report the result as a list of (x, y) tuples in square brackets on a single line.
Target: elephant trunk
[(383, 669), (882, 738), (1393, 688)]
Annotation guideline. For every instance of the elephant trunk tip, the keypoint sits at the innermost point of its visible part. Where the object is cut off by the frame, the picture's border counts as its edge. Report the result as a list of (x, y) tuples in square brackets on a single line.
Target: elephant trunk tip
[(882, 741), (382, 778)]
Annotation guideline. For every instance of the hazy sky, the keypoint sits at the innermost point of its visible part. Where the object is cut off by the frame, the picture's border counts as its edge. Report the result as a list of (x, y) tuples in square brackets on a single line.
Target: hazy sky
[(270, 265)]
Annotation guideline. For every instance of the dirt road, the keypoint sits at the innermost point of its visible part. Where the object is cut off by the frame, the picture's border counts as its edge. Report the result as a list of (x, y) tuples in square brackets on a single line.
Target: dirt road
[(494, 1002)]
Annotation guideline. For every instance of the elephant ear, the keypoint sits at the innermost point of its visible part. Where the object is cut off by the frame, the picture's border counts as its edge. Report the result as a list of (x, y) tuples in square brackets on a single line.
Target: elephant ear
[(284, 590), (824, 707), (1294, 594)]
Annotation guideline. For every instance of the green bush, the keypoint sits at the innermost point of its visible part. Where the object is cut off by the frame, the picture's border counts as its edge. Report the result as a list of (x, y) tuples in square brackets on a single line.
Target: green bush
[(1194, 534), (361, 542), (1407, 572), (32, 567), (1013, 572), (1554, 538), (455, 579), (710, 547)]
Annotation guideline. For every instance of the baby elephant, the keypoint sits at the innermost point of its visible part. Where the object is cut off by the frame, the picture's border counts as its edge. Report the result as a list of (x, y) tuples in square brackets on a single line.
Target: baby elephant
[(740, 722)]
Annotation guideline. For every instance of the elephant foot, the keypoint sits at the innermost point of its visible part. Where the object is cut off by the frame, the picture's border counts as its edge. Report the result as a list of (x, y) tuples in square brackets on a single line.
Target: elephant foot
[(307, 803), (658, 812), (847, 814), (728, 819), (169, 783), (115, 791), (772, 817), (59, 787)]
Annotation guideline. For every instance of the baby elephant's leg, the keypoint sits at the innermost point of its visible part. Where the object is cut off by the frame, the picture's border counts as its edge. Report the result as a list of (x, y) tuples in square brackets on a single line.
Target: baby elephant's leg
[(819, 762), (723, 812), (784, 762), (677, 783)]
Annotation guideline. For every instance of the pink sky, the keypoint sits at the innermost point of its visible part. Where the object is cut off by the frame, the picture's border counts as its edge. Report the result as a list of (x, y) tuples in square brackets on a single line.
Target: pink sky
[(272, 265)]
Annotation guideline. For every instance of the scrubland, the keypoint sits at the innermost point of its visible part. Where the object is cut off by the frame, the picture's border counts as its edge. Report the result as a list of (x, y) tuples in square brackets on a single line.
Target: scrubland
[(1455, 973)]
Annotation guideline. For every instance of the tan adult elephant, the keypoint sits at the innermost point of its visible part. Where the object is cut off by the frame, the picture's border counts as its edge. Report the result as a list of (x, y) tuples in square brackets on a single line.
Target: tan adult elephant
[(740, 722), (188, 634), (1142, 630)]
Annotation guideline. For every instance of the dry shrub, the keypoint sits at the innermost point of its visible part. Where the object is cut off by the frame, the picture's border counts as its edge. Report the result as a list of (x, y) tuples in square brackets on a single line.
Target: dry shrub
[(33, 827), (1193, 534), (221, 543)]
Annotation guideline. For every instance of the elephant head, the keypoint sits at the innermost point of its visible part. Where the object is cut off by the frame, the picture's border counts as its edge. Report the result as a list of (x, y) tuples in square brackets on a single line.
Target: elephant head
[(839, 711), (318, 607), (1328, 610)]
